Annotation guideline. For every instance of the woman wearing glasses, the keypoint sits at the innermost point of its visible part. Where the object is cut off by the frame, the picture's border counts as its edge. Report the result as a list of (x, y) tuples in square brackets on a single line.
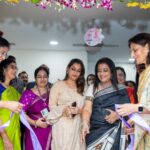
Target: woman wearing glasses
[(36, 108), (11, 105), (10, 137)]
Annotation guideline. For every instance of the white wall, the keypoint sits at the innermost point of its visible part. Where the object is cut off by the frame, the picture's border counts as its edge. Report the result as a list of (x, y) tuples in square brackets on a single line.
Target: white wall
[(128, 67), (29, 60)]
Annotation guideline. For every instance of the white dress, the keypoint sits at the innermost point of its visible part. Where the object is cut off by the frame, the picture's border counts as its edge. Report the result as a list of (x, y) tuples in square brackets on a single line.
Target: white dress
[(65, 130)]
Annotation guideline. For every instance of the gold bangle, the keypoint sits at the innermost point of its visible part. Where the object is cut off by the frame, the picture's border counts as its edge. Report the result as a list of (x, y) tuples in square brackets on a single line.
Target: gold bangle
[(89, 98)]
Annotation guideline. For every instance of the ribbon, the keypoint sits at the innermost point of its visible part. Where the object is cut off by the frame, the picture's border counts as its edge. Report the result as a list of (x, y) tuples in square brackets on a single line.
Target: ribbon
[(35, 142), (2, 127), (130, 146), (137, 120)]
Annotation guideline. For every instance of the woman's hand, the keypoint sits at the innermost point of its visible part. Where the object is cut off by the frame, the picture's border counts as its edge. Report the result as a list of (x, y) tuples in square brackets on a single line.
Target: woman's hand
[(75, 110), (8, 144), (127, 109), (129, 131), (41, 123), (13, 106), (67, 112), (112, 117), (84, 130), (6, 141)]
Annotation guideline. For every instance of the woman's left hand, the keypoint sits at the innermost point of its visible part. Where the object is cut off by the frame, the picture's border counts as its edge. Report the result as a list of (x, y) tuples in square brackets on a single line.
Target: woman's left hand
[(75, 110), (112, 117), (127, 109), (41, 123)]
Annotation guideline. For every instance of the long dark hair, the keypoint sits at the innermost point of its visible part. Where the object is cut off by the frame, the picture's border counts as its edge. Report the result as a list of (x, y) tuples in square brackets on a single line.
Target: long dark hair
[(3, 65), (141, 39), (81, 80), (111, 65)]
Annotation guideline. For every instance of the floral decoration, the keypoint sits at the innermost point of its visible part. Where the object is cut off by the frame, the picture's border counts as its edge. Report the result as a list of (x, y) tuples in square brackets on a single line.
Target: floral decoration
[(74, 4)]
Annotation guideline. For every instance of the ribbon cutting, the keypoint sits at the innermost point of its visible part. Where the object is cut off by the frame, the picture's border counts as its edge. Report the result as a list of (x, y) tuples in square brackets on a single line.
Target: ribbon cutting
[(137, 119), (35, 141)]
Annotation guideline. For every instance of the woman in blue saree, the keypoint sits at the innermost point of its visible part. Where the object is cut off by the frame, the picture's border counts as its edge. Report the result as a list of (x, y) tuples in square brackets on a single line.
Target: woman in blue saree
[(99, 110)]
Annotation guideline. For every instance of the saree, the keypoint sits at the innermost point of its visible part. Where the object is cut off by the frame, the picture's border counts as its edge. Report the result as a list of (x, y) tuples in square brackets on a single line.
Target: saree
[(65, 130), (142, 137), (103, 135), (33, 107), (131, 94), (13, 131)]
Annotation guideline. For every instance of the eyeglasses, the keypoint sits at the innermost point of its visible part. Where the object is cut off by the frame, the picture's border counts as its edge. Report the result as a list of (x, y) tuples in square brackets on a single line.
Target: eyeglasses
[(4, 54), (42, 77), (13, 67)]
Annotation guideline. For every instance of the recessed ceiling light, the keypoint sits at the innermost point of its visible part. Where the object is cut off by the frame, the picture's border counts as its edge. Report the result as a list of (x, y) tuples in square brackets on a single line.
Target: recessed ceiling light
[(131, 59), (53, 43)]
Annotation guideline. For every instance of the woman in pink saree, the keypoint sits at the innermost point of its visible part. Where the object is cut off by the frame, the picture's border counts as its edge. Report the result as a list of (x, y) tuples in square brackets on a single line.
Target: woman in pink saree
[(36, 108)]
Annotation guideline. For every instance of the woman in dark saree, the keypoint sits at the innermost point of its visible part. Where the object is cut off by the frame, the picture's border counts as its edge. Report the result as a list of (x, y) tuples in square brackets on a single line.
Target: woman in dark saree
[(99, 110)]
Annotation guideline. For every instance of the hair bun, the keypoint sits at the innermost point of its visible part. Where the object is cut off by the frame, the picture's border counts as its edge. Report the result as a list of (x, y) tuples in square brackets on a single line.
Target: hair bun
[(1, 33)]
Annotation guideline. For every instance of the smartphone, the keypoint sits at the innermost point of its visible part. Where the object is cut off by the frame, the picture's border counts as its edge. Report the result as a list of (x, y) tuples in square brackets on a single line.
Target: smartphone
[(74, 104)]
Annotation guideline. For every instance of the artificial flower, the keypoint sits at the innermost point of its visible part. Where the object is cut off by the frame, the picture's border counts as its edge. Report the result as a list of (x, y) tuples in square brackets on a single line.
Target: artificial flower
[(13, 1), (132, 4)]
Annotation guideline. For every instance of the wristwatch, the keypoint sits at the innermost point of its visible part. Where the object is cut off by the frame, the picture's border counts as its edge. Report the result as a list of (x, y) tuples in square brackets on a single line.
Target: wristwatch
[(140, 109)]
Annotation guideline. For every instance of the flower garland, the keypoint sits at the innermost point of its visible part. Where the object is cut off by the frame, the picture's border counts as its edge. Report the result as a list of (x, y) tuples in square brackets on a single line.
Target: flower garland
[(73, 4), (62, 4), (142, 4)]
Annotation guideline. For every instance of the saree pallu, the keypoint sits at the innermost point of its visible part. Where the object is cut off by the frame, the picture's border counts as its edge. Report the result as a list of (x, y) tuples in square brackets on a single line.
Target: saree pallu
[(13, 131), (142, 137), (33, 106), (105, 136)]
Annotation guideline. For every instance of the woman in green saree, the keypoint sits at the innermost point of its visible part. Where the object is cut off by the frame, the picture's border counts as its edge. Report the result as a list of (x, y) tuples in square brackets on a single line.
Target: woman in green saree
[(13, 106), (10, 137)]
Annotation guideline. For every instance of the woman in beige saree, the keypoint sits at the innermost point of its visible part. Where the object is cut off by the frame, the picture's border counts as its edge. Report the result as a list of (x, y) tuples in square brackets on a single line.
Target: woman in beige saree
[(66, 102), (140, 51)]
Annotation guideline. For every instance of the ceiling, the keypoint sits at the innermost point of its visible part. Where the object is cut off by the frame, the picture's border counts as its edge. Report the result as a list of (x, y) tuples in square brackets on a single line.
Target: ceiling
[(30, 27)]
